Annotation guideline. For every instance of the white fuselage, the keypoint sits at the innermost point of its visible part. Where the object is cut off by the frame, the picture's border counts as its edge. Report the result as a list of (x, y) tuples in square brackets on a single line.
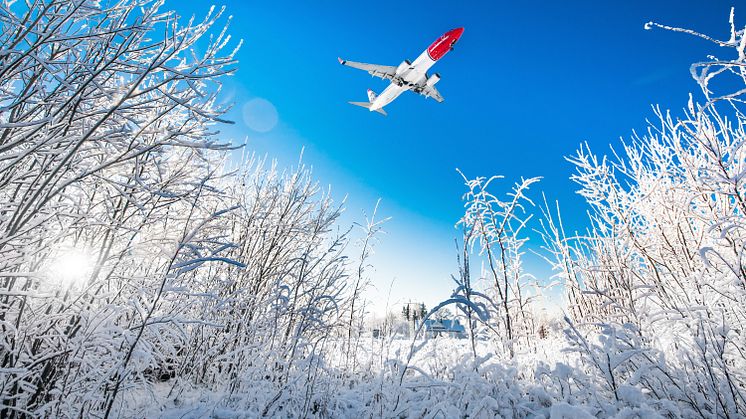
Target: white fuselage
[(415, 72)]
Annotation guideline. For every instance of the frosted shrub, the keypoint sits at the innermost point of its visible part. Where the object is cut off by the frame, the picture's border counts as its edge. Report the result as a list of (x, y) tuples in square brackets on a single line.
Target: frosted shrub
[(129, 253), (661, 276), (109, 196), (500, 299)]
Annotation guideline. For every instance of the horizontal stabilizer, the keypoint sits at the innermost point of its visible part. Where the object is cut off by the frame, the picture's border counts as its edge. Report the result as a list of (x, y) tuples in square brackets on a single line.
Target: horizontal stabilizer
[(366, 105)]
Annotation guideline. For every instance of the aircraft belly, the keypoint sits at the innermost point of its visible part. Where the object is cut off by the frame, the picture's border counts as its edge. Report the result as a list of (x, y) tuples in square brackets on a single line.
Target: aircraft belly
[(414, 75), (421, 65), (387, 96), (423, 62)]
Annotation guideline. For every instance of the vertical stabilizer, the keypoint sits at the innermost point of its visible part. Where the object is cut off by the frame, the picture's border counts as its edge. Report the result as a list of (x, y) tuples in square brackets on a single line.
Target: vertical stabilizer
[(371, 95)]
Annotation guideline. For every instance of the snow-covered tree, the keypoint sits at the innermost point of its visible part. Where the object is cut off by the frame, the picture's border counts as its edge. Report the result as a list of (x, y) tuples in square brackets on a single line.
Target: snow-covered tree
[(109, 196), (661, 274), (494, 227)]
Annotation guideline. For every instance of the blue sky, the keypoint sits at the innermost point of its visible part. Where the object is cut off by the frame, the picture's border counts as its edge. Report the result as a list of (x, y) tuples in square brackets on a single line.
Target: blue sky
[(526, 84)]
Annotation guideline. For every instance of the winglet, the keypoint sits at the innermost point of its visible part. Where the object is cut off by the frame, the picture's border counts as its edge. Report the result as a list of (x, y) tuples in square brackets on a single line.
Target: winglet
[(341, 61)]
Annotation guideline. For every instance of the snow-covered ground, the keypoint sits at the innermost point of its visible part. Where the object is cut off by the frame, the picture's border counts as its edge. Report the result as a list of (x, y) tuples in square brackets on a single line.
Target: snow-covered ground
[(442, 381)]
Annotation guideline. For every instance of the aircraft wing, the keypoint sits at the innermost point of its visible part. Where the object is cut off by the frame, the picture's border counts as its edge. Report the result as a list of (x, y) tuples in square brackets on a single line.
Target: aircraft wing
[(386, 72), (431, 91)]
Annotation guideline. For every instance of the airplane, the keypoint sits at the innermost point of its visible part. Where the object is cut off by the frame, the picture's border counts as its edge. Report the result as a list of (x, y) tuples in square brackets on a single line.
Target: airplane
[(408, 75)]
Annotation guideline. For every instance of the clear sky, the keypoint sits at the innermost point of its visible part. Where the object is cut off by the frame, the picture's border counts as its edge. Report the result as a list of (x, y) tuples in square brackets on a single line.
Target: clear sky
[(526, 84)]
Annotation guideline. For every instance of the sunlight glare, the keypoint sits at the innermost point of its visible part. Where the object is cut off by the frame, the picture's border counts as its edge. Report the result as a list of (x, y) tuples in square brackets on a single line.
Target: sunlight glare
[(70, 267)]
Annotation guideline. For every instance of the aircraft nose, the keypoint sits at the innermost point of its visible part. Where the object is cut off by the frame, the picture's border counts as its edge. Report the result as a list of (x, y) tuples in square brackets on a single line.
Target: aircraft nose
[(456, 33)]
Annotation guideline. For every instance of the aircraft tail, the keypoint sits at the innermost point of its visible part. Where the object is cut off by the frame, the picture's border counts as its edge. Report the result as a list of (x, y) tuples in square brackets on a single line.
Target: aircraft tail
[(366, 105), (371, 95)]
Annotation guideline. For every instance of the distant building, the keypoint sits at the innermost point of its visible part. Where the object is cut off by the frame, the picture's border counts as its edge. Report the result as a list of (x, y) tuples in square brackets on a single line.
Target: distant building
[(443, 327)]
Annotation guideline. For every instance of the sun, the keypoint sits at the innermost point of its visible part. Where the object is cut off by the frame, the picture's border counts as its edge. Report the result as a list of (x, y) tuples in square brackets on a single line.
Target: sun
[(70, 267)]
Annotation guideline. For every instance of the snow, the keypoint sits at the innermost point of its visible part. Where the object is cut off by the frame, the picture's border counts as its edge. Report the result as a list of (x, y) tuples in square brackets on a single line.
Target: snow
[(141, 275)]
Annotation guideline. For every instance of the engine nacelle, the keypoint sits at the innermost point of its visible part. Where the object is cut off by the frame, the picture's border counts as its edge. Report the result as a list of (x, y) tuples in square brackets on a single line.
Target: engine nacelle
[(403, 67), (433, 79)]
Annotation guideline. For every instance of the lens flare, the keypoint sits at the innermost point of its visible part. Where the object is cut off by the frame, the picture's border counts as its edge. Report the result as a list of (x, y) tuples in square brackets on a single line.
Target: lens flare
[(260, 115)]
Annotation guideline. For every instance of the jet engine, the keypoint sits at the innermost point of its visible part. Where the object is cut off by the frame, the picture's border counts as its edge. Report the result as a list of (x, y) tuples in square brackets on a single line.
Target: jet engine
[(403, 67), (433, 79)]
